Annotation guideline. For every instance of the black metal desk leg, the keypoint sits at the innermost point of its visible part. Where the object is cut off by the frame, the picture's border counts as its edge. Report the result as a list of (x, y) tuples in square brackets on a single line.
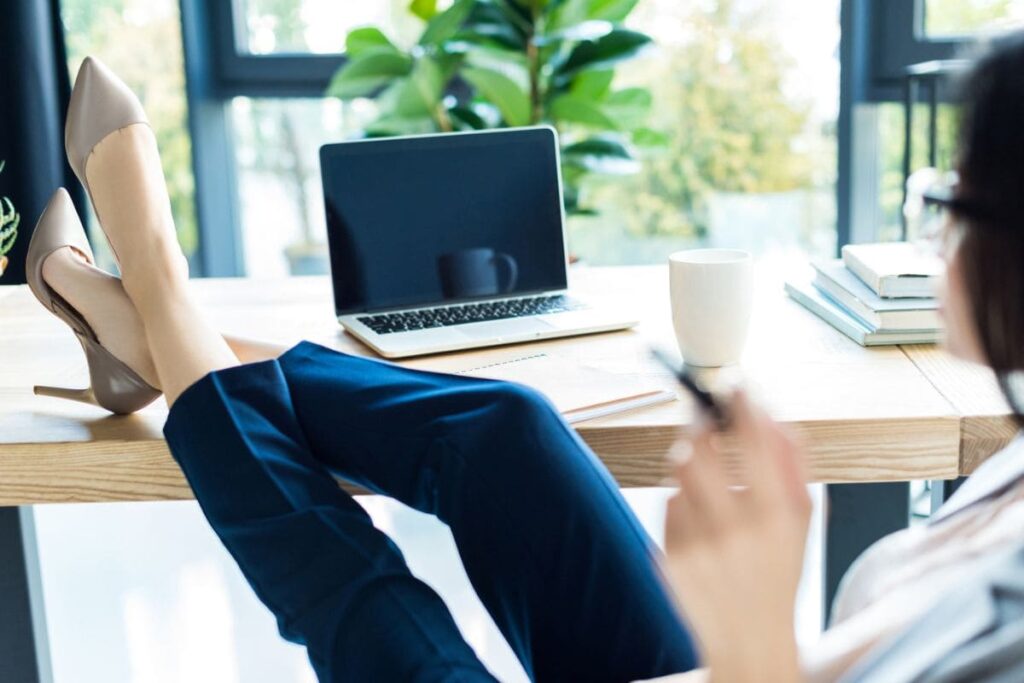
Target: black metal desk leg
[(859, 515), (24, 653)]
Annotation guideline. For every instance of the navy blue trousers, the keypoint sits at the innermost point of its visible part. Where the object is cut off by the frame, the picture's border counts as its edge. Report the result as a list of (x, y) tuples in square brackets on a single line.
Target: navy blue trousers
[(549, 544)]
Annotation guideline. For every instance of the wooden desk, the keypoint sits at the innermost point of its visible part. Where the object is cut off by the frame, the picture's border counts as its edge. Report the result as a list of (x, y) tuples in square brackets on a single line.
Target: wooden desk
[(867, 415), (985, 425)]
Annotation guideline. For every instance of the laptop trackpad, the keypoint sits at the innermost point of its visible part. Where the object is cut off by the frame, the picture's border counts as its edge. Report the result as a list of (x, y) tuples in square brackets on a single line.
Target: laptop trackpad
[(505, 328)]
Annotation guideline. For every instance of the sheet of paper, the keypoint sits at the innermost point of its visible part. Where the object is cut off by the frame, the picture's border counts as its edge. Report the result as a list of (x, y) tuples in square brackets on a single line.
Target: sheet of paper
[(569, 385)]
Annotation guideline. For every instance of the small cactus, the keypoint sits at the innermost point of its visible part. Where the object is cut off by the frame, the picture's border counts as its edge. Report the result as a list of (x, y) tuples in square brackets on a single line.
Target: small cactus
[(9, 221)]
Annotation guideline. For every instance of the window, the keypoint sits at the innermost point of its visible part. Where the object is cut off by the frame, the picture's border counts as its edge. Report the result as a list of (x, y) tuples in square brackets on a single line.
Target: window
[(891, 136), (141, 41), (728, 176), (884, 41), (313, 26), (957, 18), (748, 98), (276, 148)]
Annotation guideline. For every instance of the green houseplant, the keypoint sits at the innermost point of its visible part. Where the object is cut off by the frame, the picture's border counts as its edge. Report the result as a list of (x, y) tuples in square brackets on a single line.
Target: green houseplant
[(9, 221), (504, 63)]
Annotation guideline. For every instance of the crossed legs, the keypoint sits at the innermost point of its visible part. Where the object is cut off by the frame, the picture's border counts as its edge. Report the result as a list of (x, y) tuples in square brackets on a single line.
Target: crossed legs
[(547, 541), (130, 195)]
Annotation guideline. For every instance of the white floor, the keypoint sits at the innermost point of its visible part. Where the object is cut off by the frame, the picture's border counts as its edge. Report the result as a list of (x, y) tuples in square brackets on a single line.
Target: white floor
[(144, 593)]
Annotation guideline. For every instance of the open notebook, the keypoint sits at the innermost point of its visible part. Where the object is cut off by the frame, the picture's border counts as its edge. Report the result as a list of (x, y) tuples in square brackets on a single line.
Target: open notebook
[(579, 392)]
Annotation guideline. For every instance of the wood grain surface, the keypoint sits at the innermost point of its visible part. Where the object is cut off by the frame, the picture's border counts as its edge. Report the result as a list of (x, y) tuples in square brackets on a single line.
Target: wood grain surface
[(985, 423), (865, 414)]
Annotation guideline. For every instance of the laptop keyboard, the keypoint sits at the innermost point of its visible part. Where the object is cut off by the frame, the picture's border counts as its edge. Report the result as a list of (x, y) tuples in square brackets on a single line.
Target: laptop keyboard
[(446, 316)]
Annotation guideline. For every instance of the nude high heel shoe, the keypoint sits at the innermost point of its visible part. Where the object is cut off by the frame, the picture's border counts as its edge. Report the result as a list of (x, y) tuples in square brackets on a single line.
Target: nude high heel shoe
[(113, 385), (100, 104)]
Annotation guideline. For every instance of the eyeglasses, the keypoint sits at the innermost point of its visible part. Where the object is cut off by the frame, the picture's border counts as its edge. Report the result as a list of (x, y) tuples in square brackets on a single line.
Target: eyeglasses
[(931, 195)]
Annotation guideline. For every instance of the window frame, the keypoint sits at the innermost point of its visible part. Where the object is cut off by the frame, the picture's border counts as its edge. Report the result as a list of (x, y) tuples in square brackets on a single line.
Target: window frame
[(879, 40), (273, 75), (898, 29), (215, 72)]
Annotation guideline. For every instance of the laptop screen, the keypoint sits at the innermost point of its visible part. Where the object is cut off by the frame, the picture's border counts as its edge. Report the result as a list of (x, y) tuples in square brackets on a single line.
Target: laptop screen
[(416, 221)]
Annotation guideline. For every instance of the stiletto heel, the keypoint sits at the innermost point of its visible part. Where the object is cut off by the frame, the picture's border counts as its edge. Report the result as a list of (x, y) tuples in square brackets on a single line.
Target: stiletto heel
[(80, 395), (113, 385), (101, 104)]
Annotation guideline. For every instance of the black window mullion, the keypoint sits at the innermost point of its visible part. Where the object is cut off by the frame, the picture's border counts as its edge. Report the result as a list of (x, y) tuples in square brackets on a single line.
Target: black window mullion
[(277, 75), (899, 41), (213, 162)]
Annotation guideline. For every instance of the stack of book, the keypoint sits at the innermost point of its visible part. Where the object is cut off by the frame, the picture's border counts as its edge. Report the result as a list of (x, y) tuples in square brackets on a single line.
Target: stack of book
[(876, 294)]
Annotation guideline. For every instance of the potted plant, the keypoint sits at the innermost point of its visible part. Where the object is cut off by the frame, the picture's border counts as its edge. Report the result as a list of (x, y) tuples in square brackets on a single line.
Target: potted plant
[(507, 63), (9, 221)]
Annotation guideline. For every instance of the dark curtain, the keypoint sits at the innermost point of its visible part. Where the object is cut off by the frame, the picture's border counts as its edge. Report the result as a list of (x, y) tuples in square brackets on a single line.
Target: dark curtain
[(34, 90)]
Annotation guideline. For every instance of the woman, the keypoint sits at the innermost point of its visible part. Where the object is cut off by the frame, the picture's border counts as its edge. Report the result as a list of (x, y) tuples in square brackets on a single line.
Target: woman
[(548, 543), (735, 560)]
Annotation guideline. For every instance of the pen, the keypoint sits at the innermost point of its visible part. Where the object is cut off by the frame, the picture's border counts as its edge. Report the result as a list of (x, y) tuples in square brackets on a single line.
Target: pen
[(705, 399)]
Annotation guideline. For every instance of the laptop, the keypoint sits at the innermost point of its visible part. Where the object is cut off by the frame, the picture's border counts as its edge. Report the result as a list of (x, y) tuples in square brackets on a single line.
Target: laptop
[(452, 241)]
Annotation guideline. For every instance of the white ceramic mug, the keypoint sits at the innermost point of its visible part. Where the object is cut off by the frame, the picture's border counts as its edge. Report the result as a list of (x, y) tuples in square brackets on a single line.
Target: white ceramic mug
[(712, 293)]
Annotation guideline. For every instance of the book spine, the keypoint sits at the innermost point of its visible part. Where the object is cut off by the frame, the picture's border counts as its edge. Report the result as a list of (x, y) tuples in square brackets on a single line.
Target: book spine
[(838, 294), (909, 321), (866, 275), (820, 309), (827, 310), (862, 320)]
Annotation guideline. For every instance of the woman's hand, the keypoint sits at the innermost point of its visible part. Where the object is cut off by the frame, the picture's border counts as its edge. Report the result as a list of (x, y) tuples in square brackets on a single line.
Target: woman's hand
[(735, 547)]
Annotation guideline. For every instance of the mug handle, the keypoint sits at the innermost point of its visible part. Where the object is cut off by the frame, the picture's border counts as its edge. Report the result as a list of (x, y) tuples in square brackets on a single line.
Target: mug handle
[(513, 271)]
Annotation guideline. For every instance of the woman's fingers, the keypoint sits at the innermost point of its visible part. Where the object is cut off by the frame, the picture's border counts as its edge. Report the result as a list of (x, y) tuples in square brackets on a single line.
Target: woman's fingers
[(734, 560), (703, 483), (792, 466), (705, 506), (770, 458), (751, 432)]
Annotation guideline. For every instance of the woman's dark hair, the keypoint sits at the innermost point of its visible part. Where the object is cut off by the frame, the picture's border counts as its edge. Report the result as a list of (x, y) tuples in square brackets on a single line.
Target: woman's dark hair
[(991, 169)]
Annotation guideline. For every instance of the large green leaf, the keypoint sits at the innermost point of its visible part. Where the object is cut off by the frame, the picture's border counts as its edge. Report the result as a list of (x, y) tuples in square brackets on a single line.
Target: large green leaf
[(593, 85), (363, 75), (601, 154), (495, 36), (610, 10), (606, 146), (503, 92), (576, 109), (466, 118), (487, 22), (573, 12), (630, 107), (428, 81), (567, 14), (617, 46), (446, 24), (424, 9), (587, 30), (631, 97), (362, 40), (646, 137), (416, 96), (512, 64), (519, 12)]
